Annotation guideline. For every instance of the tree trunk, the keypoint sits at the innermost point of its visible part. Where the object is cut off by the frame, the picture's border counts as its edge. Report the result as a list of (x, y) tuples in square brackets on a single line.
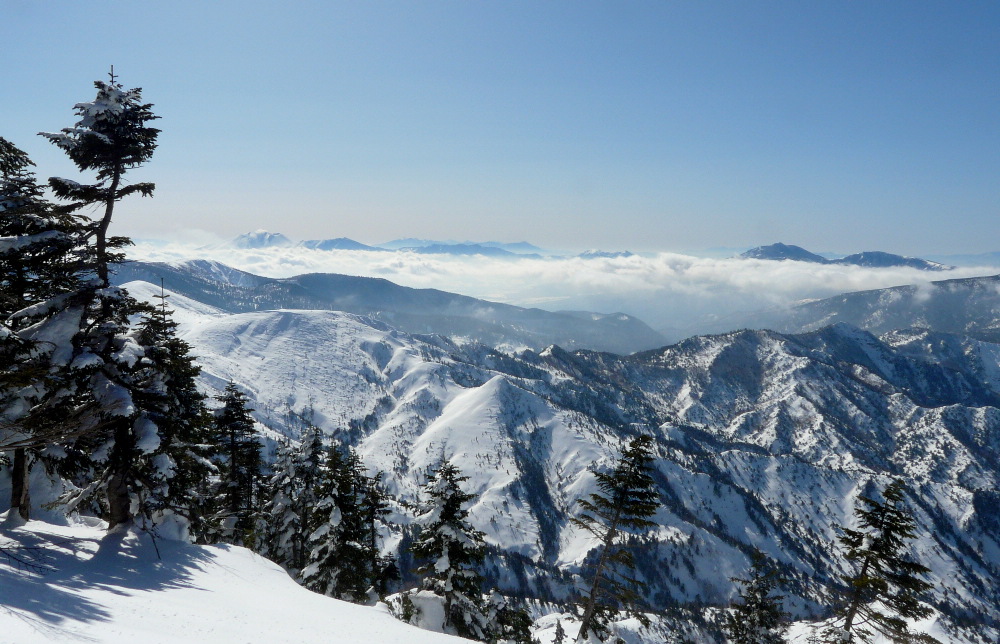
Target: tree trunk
[(588, 613), (120, 464), (102, 229), (20, 493)]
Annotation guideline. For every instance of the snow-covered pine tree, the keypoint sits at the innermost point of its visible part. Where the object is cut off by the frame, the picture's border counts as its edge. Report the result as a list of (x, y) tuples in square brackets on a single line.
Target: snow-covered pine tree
[(758, 618), (293, 494), (449, 549), (508, 624), (175, 464), (240, 465), (110, 138), (628, 497), (339, 562), (382, 569), (886, 588), (40, 265)]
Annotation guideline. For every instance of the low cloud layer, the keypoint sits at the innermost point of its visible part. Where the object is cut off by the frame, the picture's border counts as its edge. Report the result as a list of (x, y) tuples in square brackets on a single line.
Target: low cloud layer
[(675, 294)]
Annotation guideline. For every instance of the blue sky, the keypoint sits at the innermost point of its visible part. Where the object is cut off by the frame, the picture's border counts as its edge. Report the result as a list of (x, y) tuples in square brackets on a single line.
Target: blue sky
[(838, 126)]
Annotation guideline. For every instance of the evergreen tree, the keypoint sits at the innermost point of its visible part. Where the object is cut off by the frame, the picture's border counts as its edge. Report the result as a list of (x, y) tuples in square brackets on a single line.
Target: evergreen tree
[(323, 566), (560, 634), (344, 550), (175, 451), (758, 617), (374, 507), (628, 497), (111, 138), (293, 494), (101, 378), (508, 624), (40, 265), (450, 549), (887, 587), (240, 467)]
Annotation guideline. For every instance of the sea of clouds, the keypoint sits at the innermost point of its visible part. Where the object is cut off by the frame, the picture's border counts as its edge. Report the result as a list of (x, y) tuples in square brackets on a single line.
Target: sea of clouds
[(678, 295)]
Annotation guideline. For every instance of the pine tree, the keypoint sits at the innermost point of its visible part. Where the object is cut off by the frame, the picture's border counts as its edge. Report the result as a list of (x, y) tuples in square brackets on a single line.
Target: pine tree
[(240, 465), (102, 376), (450, 549), (560, 634), (508, 624), (175, 452), (887, 587), (628, 497), (111, 138), (344, 551), (321, 573), (758, 617), (293, 494), (40, 265)]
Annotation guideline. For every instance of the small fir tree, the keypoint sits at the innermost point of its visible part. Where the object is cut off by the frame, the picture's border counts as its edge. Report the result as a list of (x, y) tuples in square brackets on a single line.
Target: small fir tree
[(886, 588), (293, 496), (449, 550), (240, 467), (628, 497), (758, 618), (175, 462)]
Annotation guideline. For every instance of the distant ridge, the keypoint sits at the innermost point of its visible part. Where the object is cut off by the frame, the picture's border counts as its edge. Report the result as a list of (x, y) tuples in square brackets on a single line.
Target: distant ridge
[(340, 243), (870, 259)]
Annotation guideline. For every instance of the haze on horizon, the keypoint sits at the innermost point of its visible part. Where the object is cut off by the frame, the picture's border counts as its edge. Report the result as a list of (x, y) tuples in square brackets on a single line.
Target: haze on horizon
[(647, 126)]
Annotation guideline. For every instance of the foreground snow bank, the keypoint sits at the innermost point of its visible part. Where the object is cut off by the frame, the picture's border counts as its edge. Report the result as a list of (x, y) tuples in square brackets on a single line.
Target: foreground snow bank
[(122, 587)]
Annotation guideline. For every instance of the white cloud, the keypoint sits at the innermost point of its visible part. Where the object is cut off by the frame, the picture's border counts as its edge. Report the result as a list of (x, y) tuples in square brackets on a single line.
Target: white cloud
[(667, 290)]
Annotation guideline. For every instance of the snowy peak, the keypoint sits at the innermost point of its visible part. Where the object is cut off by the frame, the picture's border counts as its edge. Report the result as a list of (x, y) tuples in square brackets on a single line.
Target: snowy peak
[(260, 239), (780, 252)]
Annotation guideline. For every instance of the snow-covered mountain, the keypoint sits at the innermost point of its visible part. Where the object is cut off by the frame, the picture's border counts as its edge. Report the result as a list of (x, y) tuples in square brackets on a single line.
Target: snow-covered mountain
[(968, 306), (340, 243), (260, 239), (423, 311), (871, 259), (764, 441)]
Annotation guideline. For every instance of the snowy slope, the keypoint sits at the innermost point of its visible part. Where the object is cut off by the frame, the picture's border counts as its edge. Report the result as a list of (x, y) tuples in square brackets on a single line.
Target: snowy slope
[(121, 587), (764, 441)]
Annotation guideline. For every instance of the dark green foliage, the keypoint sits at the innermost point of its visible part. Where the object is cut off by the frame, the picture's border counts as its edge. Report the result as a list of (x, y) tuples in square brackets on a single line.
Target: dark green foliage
[(344, 558), (508, 623), (175, 466), (627, 498), (111, 137), (293, 494), (40, 264), (886, 587), (240, 467), (448, 550), (758, 617)]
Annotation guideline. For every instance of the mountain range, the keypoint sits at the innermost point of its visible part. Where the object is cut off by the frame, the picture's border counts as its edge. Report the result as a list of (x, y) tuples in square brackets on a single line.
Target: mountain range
[(764, 441), (408, 309), (969, 307), (871, 259)]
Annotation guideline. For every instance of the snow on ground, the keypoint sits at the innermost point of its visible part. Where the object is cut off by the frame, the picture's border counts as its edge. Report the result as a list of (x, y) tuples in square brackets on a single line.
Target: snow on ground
[(122, 587)]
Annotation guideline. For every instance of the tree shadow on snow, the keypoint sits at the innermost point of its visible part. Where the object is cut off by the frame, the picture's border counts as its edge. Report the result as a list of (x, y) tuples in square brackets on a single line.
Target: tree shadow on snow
[(49, 599)]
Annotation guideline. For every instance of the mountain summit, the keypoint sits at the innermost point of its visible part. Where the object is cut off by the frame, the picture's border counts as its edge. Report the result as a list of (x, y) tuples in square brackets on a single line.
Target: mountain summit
[(871, 258)]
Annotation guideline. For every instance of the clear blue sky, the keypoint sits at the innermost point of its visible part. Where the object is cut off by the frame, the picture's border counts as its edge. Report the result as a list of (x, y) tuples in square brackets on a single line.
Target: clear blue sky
[(839, 126)]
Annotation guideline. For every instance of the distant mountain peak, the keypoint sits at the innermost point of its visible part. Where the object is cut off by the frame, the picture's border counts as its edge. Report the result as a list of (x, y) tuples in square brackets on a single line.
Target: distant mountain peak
[(260, 238), (781, 251), (870, 258)]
